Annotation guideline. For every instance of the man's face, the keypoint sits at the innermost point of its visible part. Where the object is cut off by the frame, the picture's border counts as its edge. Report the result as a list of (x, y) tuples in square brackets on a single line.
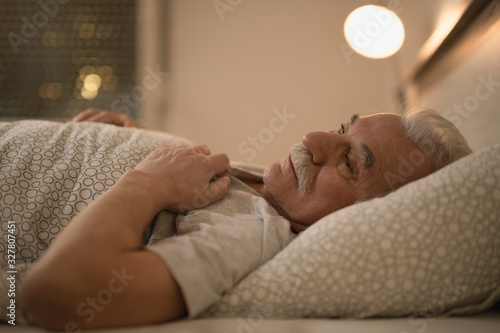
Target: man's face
[(342, 167)]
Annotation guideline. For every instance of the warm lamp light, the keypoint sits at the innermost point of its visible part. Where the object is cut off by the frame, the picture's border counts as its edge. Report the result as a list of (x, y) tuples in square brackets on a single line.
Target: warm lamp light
[(374, 31)]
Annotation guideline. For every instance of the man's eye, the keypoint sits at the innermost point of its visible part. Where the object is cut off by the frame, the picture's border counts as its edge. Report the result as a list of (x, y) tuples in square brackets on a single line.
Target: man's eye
[(342, 129), (347, 162)]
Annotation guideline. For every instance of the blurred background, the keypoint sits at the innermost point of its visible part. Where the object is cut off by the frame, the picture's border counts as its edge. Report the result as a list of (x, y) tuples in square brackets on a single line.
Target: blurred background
[(59, 57), (246, 77)]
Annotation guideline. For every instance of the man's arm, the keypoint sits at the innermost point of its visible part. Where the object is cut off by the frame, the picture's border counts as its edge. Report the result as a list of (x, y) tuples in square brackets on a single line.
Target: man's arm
[(96, 274)]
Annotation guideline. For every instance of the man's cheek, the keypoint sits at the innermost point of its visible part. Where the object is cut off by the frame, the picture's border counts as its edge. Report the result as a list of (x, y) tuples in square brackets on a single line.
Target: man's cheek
[(274, 179), (328, 199)]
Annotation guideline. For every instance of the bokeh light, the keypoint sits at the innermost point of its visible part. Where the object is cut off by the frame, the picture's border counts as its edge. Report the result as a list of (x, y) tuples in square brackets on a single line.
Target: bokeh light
[(83, 56), (374, 31)]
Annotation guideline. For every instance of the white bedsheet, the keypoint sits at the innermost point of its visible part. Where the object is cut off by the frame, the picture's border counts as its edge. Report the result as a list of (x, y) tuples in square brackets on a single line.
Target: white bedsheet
[(486, 322)]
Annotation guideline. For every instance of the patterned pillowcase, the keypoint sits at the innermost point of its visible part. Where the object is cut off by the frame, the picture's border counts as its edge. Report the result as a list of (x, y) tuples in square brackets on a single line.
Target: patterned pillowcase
[(430, 248)]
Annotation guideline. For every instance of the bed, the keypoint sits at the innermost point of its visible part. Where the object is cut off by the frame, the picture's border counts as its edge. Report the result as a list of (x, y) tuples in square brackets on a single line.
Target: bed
[(485, 322), (422, 253), (425, 258)]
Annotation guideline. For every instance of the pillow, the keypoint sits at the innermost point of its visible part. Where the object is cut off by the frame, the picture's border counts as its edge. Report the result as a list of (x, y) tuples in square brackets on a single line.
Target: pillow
[(430, 248)]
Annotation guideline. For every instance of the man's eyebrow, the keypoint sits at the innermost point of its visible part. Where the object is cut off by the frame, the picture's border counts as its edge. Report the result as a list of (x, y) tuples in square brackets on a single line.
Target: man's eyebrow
[(353, 118), (367, 153)]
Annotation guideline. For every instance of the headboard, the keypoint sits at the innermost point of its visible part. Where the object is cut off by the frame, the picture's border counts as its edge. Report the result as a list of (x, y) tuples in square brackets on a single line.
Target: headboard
[(458, 73)]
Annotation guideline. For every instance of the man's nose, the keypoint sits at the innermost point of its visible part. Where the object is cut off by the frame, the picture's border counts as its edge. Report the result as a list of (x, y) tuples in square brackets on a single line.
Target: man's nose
[(322, 145)]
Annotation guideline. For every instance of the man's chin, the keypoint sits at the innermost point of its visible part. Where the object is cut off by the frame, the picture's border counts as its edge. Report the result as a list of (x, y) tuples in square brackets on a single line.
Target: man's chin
[(299, 226)]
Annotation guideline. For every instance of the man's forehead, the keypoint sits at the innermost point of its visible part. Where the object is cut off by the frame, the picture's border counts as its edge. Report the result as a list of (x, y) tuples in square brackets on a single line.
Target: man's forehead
[(378, 128), (379, 118)]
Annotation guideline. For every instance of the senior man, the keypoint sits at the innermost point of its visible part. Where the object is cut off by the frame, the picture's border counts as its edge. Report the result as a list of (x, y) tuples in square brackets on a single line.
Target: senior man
[(246, 221)]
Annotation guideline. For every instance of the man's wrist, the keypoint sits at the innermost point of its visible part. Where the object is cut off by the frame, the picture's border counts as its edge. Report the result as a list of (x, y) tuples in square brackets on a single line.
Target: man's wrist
[(140, 186)]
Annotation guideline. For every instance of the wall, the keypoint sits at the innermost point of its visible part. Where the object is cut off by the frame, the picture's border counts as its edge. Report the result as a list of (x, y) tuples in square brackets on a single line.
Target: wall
[(253, 79), (469, 96)]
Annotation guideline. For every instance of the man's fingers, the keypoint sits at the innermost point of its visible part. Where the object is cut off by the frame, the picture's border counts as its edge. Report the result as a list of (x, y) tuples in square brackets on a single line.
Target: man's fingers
[(83, 116), (217, 189), (107, 118), (220, 163), (201, 149)]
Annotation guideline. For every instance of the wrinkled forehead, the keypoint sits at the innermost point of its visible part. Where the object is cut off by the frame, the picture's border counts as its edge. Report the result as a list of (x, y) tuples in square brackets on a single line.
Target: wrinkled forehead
[(384, 134), (383, 121)]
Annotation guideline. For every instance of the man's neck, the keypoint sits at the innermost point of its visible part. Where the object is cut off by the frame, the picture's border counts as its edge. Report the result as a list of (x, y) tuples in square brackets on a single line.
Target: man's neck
[(260, 188)]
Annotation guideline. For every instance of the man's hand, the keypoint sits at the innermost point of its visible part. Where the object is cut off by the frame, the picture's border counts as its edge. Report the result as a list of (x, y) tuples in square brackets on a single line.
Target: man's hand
[(182, 178), (108, 117)]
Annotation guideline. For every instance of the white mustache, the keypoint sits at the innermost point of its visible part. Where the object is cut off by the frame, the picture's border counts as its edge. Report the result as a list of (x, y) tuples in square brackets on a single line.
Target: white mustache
[(302, 161)]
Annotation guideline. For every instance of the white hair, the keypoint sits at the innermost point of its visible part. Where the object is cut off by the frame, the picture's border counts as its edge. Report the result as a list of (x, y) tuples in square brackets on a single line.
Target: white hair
[(435, 135)]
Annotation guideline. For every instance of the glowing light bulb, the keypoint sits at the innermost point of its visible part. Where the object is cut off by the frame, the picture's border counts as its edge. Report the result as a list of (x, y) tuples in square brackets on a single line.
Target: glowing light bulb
[(374, 31)]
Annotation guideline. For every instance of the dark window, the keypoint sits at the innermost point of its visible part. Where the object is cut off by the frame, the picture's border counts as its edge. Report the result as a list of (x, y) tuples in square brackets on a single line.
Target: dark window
[(59, 57)]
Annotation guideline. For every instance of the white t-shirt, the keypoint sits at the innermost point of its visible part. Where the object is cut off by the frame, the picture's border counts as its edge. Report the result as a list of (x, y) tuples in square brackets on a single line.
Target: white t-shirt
[(209, 250)]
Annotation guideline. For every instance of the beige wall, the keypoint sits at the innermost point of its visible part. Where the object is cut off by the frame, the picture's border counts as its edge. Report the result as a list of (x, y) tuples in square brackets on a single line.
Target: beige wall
[(252, 80), (469, 96)]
